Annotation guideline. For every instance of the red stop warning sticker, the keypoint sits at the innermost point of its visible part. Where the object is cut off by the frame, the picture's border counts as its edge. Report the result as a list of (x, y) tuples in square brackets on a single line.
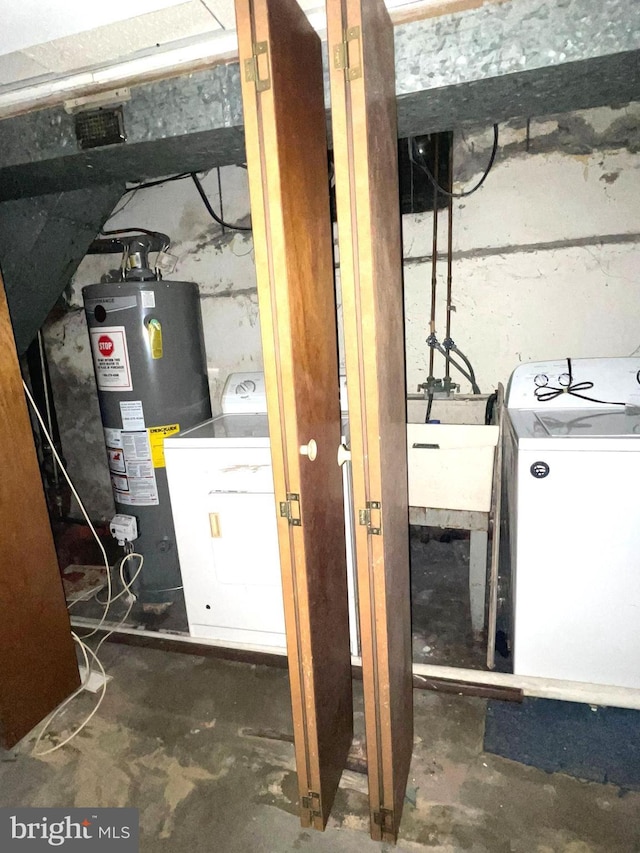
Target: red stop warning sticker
[(105, 345), (111, 358)]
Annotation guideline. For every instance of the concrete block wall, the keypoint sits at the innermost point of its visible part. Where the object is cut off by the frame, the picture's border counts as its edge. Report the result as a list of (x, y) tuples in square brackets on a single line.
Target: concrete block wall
[(546, 260)]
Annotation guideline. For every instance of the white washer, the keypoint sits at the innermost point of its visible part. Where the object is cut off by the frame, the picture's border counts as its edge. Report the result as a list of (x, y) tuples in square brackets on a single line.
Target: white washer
[(223, 503), (572, 469)]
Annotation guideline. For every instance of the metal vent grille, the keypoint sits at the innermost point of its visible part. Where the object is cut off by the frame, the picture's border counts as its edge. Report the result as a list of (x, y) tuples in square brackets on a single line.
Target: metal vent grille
[(102, 127)]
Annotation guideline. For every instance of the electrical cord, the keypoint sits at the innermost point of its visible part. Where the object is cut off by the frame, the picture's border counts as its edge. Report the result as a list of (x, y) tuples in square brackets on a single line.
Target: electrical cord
[(132, 597), (147, 184), (180, 177), (203, 196), (126, 586), (57, 458), (84, 648), (466, 193), (87, 650), (212, 213), (89, 669), (546, 393), (135, 230)]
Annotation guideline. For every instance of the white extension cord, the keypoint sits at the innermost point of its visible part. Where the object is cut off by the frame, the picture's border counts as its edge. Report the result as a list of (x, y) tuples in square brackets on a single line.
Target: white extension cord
[(84, 648)]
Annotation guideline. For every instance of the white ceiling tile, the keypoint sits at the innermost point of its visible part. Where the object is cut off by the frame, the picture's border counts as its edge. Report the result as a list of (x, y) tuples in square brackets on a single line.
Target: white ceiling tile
[(17, 66), (224, 10), (120, 40), (30, 22), (133, 30)]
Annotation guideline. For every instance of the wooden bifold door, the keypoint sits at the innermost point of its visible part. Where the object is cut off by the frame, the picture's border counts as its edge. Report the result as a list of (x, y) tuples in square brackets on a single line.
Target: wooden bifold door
[(363, 118), (284, 117), (285, 136)]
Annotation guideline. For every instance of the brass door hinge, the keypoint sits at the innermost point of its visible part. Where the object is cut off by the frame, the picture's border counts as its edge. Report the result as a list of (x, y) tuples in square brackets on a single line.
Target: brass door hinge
[(385, 818), (260, 58), (366, 518), (312, 802), (291, 509), (343, 54)]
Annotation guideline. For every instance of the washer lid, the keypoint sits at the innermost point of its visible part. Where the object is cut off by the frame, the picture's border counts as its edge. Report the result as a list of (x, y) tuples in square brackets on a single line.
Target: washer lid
[(607, 381), (572, 423)]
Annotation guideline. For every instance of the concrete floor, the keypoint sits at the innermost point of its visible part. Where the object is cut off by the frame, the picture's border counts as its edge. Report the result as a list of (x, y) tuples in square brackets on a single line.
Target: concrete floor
[(168, 740), (440, 607)]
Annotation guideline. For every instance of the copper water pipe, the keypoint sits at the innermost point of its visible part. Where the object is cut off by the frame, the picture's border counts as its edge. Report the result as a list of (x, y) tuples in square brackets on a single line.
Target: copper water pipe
[(434, 250), (449, 257)]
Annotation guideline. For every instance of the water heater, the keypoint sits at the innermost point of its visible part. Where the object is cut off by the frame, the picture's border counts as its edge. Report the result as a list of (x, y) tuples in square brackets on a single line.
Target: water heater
[(150, 366)]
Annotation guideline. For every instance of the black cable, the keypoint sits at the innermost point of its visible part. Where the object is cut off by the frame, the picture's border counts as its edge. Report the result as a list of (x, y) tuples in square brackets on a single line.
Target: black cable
[(427, 417), (546, 392), (489, 409), (214, 215), (146, 184), (164, 238), (441, 189), (199, 187), (134, 230)]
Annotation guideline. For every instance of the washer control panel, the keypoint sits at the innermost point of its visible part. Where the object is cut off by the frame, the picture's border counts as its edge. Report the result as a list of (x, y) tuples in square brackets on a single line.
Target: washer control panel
[(244, 393)]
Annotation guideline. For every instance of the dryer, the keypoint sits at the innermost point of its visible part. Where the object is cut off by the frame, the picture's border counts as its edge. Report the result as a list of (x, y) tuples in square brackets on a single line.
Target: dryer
[(572, 468), (222, 496)]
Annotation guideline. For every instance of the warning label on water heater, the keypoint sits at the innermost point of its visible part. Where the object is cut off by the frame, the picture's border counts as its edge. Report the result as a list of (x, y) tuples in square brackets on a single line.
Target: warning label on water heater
[(131, 466), (111, 358)]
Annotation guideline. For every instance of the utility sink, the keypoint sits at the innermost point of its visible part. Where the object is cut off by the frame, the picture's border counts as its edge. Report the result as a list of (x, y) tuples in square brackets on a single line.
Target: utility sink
[(451, 464)]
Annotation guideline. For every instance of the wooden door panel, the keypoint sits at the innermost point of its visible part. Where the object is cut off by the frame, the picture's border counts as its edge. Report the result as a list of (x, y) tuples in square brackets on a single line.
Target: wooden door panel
[(38, 667), (285, 135), (365, 154)]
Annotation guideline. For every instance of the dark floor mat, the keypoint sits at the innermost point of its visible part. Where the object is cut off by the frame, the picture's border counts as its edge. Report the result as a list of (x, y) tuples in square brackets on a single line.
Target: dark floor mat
[(593, 743)]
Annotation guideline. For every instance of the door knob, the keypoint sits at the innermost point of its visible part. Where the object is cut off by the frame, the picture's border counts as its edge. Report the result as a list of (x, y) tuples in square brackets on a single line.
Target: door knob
[(310, 450), (344, 455)]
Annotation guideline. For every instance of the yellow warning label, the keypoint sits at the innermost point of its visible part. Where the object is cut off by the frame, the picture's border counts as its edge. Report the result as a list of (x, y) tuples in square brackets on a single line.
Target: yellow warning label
[(157, 436), (155, 338)]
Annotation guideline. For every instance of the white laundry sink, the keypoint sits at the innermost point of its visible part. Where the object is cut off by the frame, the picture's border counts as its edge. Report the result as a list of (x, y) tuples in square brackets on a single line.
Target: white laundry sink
[(451, 465)]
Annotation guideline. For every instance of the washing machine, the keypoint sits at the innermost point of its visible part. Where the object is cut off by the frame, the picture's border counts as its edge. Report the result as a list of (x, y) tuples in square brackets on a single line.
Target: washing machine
[(572, 468), (223, 502)]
